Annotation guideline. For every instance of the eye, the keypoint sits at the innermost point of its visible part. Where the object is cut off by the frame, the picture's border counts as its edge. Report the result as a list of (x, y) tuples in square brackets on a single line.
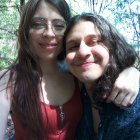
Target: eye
[(59, 24), (38, 25), (71, 48), (93, 42)]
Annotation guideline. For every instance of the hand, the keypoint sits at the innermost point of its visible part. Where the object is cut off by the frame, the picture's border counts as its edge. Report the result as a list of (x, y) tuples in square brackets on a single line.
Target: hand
[(125, 88)]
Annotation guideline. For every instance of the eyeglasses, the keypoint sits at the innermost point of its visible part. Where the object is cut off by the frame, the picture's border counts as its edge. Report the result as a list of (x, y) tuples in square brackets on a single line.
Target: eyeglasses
[(58, 26)]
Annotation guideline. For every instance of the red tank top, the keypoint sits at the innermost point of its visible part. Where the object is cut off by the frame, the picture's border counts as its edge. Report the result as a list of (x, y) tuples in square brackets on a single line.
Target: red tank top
[(61, 121)]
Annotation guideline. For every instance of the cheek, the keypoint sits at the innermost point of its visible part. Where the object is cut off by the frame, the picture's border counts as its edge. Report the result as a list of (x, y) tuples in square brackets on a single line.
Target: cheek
[(101, 53), (32, 37), (106, 59), (59, 38), (69, 58), (105, 56), (33, 41), (59, 41)]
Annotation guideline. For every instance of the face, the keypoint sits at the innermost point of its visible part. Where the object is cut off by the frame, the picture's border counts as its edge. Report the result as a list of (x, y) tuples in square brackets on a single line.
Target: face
[(87, 57), (46, 31)]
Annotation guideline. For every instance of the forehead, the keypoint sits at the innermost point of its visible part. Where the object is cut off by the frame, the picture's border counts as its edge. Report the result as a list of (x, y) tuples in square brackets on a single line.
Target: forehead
[(48, 11), (83, 29)]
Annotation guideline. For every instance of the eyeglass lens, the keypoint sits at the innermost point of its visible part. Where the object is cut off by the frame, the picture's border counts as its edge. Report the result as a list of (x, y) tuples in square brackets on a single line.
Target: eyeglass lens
[(58, 25)]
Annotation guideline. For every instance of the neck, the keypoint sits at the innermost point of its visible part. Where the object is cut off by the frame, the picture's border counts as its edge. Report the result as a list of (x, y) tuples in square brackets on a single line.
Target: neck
[(89, 88), (49, 68)]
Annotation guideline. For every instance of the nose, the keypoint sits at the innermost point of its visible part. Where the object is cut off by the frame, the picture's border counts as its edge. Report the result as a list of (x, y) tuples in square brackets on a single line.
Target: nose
[(48, 31), (84, 50)]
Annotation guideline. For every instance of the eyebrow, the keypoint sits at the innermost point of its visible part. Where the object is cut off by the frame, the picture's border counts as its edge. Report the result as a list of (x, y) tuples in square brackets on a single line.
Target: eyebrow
[(45, 19), (75, 39), (93, 36), (39, 18), (71, 41)]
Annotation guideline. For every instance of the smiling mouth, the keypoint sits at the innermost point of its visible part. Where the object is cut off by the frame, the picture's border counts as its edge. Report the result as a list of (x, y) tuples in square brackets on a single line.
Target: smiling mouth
[(85, 64), (48, 46)]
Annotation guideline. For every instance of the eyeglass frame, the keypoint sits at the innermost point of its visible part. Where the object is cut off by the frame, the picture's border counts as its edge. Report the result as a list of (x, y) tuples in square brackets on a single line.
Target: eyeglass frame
[(39, 23)]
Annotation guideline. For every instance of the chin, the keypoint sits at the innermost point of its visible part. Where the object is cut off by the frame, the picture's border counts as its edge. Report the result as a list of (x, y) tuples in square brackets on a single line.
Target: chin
[(90, 78), (93, 75)]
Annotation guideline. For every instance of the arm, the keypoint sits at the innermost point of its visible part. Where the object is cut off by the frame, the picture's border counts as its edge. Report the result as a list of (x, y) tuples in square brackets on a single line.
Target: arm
[(4, 112), (125, 88), (125, 121), (4, 106), (134, 116)]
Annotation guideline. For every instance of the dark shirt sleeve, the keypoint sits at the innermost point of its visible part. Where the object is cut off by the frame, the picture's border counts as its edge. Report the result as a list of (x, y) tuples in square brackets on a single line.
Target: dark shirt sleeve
[(119, 124)]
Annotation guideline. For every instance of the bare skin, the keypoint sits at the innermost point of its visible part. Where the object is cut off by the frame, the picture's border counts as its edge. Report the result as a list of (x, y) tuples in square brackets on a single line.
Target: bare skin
[(52, 76)]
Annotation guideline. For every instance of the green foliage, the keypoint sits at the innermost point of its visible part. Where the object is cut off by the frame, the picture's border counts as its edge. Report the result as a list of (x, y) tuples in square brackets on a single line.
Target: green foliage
[(9, 17), (78, 6), (123, 14)]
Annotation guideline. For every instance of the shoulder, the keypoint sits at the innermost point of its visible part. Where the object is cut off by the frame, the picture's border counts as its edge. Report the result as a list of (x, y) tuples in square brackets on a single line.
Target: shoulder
[(123, 117), (4, 78), (4, 95), (4, 101), (135, 107), (125, 121)]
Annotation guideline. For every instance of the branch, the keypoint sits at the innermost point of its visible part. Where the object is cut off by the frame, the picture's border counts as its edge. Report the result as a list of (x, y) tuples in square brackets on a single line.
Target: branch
[(101, 6), (132, 19), (7, 31), (3, 6), (105, 5)]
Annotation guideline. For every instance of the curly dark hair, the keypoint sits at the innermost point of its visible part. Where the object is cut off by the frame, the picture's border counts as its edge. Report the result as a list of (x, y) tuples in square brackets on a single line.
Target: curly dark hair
[(122, 55)]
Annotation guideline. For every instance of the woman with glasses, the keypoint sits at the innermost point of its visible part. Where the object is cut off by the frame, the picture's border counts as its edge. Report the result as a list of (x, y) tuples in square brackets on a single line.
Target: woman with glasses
[(41, 95)]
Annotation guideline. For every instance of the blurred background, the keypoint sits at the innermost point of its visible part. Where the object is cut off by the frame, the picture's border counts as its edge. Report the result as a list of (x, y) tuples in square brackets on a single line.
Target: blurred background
[(123, 14)]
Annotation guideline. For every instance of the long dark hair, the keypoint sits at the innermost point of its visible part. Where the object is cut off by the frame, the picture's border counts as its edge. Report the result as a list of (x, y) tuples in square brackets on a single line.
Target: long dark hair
[(27, 73), (122, 55)]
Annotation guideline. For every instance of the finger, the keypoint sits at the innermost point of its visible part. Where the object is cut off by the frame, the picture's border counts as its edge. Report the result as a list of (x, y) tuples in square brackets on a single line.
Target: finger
[(120, 98), (126, 102), (112, 95), (132, 99)]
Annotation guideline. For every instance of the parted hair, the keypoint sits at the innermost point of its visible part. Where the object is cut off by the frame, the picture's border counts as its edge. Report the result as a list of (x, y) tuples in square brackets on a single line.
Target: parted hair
[(122, 54), (27, 73)]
